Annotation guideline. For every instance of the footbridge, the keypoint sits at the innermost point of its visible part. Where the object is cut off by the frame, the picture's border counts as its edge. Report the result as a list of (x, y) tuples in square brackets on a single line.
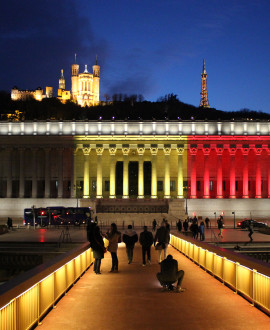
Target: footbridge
[(223, 291)]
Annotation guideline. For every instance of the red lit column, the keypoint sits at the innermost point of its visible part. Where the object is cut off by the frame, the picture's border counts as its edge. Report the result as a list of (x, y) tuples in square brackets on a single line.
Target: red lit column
[(268, 152), (232, 151), (193, 179), (206, 152), (258, 152), (219, 151), (245, 152)]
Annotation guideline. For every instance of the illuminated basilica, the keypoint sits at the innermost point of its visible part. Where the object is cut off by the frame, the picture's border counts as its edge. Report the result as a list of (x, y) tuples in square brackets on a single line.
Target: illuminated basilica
[(84, 88), (136, 170)]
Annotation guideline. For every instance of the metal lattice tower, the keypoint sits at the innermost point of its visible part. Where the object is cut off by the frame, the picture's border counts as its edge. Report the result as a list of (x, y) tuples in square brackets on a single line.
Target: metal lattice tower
[(204, 96)]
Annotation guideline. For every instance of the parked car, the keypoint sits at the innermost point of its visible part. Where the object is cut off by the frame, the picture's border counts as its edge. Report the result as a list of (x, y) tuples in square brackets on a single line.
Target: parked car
[(249, 222)]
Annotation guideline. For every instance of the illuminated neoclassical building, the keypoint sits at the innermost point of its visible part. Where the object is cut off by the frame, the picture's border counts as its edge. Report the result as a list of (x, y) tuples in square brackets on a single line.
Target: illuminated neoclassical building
[(125, 166)]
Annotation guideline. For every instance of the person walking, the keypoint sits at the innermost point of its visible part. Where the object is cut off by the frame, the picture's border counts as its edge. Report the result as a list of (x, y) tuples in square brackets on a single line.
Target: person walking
[(179, 225), (154, 225), (202, 230), (185, 225), (250, 229), (220, 227), (130, 237), (207, 222), (163, 238), (146, 241), (169, 274), (114, 237)]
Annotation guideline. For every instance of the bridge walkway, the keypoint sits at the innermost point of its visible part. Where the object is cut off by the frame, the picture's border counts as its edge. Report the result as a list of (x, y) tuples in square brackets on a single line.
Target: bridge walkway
[(133, 299)]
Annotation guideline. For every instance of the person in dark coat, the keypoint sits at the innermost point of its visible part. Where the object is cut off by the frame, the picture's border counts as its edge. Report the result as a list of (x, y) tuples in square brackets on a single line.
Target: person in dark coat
[(114, 237), (130, 237), (169, 274), (185, 225), (97, 246), (146, 241), (163, 238), (220, 226), (207, 222), (250, 232), (154, 225), (9, 223), (179, 225)]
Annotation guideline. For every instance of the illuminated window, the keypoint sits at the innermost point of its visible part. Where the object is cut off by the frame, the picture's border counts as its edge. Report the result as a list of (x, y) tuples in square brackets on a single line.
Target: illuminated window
[(107, 185), (211, 185), (236, 185), (160, 185), (94, 185), (224, 185), (172, 185)]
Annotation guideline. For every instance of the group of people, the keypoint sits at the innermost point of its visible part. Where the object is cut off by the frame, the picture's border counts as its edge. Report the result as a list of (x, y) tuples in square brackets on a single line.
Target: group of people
[(195, 227), (169, 267)]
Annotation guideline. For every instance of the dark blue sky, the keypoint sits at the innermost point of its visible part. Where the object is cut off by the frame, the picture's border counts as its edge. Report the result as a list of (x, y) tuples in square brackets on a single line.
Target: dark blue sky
[(144, 47)]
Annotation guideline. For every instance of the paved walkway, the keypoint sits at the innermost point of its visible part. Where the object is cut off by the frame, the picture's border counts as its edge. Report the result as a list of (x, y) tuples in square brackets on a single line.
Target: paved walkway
[(133, 299)]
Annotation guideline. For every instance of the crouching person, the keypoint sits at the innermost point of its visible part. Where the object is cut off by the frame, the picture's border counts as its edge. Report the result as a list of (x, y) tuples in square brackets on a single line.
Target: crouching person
[(169, 274)]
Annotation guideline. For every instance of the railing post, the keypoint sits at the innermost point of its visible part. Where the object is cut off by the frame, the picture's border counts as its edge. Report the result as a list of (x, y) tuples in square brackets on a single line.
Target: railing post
[(236, 276), (254, 274), (223, 269), (38, 292)]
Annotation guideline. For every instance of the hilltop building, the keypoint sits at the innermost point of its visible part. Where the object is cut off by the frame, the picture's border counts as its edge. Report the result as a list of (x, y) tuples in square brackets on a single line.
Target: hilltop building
[(84, 88)]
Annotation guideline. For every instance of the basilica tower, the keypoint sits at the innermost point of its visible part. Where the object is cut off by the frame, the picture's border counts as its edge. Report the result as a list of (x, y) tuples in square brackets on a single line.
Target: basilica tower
[(62, 80), (204, 96), (75, 79), (96, 72)]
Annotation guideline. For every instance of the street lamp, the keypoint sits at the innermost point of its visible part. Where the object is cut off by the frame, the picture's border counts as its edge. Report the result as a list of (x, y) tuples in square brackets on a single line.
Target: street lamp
[(215, 213), (185, 188), (233, 219)]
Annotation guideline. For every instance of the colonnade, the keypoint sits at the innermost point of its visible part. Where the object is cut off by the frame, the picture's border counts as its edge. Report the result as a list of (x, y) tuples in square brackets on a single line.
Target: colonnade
[(185, 172)]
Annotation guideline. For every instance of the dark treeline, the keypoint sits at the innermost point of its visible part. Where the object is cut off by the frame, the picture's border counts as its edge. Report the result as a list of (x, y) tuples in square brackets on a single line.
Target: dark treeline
[(121, 107)]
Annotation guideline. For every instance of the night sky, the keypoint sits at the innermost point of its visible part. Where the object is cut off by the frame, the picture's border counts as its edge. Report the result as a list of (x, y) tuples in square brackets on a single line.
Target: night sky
[(144, 47)]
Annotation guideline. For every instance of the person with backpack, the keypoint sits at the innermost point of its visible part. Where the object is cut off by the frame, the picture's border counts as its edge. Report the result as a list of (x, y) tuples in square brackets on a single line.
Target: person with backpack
[(163, 238), (146, 241), (130, 237), (220, 227)]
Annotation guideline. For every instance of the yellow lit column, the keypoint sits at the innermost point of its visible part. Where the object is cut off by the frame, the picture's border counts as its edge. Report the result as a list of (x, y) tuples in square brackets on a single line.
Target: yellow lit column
[(21, 187), (154, 150), (73, 175), (167, 152), (180, 151), (125, 151), (112, 151), (99, 151), (141, 150), (86, 187)]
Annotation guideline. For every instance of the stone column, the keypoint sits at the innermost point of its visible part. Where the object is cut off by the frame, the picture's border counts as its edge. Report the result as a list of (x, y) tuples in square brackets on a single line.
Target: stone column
[(141, 150), (34, 172), (73, 176), (21, 186), (268, 174), (60, 172), (206, 183), (9, 172), (125, 150), (258, 151), (86, 184), (154, 150), (232, 151), (193, 176), (167, 190), (47, 173), (245, 151), (112, 151), (219, 151), (99, 151), (180, 179)]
